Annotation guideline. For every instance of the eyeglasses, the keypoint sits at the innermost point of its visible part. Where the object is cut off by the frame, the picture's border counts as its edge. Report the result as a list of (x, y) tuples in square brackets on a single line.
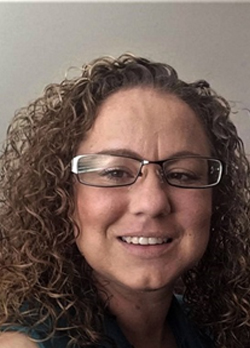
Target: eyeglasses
[(103, 170)]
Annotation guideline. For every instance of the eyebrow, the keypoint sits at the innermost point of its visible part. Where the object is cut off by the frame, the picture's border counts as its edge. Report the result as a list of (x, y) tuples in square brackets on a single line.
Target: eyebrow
[(120, 152), (130, 153)]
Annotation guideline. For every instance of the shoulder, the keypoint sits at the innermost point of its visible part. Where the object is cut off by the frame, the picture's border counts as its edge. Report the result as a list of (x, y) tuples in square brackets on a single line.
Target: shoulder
[(16, 340)]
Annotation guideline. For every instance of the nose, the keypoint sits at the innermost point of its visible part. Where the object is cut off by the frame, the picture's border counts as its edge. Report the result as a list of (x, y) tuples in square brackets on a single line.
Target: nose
[(149, 195)]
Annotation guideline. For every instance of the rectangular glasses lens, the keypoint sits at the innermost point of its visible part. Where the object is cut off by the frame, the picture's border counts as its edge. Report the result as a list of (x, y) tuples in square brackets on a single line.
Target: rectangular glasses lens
[(107, 170), (192, 172)]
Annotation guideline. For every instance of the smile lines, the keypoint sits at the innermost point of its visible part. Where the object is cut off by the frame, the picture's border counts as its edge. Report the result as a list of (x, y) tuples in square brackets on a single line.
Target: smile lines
[(145, 240)]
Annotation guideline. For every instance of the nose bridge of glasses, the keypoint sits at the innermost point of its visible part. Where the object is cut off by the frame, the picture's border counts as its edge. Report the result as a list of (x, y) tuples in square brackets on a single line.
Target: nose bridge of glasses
[(158, 164)]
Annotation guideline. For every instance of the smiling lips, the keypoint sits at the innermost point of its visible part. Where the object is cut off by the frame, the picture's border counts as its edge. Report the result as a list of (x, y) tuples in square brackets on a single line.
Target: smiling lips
[(145, 240)]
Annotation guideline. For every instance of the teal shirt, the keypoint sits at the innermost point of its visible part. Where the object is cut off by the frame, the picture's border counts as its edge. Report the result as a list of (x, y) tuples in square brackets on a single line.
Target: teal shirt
[(185, 333)]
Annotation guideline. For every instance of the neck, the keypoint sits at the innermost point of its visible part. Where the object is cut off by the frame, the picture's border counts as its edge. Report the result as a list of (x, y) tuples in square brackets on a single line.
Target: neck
[(142, 315)]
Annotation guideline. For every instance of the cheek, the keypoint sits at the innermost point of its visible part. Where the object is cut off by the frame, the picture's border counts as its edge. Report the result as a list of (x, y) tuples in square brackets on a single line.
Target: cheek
[(96, 209), (200, 219), (195, 211), (197, 206)]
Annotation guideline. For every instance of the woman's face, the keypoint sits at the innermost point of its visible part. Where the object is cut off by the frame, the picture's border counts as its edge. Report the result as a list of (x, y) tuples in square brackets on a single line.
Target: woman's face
[(151, 125)]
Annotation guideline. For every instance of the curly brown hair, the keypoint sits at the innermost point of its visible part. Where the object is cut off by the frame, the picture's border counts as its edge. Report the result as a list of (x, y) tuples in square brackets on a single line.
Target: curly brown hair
[(40, 265)]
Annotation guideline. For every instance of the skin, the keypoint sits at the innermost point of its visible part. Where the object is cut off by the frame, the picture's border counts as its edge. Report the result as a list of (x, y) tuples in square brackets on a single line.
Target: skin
[(16, 339), (139, 280)]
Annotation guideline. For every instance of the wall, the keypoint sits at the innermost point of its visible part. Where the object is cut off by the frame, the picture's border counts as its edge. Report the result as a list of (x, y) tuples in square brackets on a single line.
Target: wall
[(39, 41)]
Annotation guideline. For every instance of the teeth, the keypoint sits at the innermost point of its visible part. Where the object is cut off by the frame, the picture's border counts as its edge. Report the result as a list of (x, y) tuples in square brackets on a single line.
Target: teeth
[(144, 240)]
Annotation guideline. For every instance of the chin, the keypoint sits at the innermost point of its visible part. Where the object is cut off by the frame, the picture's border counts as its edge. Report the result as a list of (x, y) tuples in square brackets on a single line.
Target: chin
[(150, 285)]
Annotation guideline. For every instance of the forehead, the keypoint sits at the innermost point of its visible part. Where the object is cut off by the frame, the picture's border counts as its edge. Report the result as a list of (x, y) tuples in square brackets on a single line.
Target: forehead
[(147, 121)]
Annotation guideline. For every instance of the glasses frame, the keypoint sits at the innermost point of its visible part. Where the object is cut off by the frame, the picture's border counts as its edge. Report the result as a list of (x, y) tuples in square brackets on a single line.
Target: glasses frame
[(143, 162)]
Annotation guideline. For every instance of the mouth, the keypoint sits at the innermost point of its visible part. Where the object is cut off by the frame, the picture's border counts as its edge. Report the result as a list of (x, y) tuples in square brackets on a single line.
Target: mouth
[(145, 240)]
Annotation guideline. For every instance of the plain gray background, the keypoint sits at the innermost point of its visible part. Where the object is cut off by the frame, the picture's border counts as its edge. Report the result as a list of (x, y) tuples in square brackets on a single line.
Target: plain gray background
[(40, 41)]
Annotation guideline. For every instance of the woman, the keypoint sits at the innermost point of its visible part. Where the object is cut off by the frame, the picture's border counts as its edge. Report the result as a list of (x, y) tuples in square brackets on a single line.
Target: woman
[(116, 185)]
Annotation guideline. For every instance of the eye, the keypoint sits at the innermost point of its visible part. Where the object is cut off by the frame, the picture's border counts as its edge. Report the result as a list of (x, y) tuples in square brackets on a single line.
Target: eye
[(118, 175), (182, 177)]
